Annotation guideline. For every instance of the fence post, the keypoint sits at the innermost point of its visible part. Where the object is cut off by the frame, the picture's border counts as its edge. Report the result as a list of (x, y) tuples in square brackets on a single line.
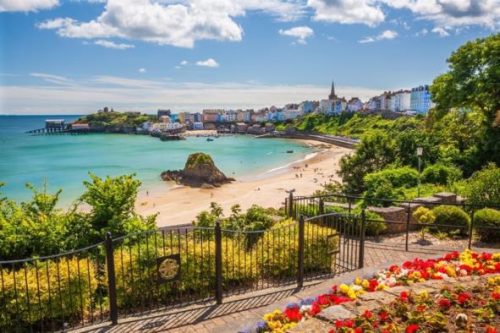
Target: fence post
[(218, 263), (471, 227), (300, 264), (408, 212), (321, 207), (361, 262), (290, 204), (110, 262), (349, 201)]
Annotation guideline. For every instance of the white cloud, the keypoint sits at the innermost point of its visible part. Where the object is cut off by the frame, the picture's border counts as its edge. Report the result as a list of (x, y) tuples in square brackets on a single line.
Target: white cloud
[(131, 94), (347, 11), (179, 23), (112, 45), (51, 78), (422, 32), (440, 31), (184, 63), (142, 70), (26, 5), (207, 63), (387, 34), (453, 13), (301, 33)]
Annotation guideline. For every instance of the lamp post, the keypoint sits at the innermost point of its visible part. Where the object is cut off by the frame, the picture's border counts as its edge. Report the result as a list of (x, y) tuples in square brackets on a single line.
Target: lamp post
[(420, 152)]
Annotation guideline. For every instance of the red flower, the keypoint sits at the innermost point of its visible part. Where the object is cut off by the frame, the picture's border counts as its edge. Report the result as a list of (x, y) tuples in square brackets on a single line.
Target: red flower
[(404, 296), (315, 309), (358, 330), (495, 295), (451, 256), (463, 298), (383, 315), (444, 303), (293, 314), (421, 308), (367, 315), (491, 329), (412, 328)]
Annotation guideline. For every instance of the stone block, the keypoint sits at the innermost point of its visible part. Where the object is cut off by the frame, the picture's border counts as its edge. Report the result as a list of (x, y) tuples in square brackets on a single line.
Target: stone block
[(312, 325), (360, 307), (446, 197), (429, 202), (378, 296), (394, 217), (396, 291), (335, 312)]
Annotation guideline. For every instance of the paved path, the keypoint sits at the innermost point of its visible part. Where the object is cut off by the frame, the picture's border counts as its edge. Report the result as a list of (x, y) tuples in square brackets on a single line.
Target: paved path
[(239, 312)]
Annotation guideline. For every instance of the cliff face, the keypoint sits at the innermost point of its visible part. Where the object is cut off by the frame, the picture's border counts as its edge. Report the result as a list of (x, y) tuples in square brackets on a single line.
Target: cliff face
[(199, 171)]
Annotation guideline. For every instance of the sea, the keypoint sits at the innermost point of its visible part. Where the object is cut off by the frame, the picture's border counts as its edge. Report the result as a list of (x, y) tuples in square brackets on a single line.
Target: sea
[(65, 161)]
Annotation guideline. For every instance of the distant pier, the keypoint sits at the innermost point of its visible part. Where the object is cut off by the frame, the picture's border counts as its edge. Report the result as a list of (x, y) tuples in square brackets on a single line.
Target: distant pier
[(59, 126)]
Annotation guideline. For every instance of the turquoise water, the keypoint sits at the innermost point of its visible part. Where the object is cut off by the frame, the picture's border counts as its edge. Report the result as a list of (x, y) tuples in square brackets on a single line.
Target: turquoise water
[(65, 160)]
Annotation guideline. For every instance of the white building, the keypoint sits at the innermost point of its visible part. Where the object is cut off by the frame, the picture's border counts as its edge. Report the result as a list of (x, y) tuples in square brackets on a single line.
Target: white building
[(354, 105), (326, 106), (400, 101)]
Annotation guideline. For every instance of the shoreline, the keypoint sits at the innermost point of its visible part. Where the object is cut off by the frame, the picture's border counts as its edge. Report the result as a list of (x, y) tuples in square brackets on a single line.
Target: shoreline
[(178, 204)]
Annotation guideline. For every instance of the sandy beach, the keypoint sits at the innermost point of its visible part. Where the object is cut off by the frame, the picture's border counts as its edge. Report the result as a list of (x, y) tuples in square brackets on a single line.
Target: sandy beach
[(181, 204)]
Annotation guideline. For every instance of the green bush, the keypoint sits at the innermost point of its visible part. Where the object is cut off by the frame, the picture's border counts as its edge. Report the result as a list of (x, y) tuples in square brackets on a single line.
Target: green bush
[(388, 184), (280, 248), (65, 291), (483, 188), (441, 174), (375, 223), (487, 218), (451, 216)]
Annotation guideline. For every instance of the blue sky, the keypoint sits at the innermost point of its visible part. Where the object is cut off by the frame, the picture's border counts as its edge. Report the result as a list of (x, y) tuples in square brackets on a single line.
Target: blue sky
[(76, 56)]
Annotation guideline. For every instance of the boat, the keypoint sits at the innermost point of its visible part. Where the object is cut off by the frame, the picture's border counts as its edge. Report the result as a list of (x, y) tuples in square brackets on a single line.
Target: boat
[(289, 151), (210, 139)]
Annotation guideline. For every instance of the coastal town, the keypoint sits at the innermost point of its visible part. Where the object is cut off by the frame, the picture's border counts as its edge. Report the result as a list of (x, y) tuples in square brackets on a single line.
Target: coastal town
[(170, 125)]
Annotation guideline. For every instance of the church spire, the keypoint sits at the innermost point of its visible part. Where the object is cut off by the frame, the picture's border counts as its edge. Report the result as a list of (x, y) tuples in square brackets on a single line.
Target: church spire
[(332, 95)]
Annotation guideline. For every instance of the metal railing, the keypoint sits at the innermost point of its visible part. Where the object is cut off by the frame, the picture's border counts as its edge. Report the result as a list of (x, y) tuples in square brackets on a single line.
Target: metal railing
[(394, 223), (161, 269)]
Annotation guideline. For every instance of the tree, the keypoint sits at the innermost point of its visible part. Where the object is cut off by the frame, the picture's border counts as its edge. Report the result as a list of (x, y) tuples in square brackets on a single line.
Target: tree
[(472, 83), (483, 188), (112, 205), (376, 151)]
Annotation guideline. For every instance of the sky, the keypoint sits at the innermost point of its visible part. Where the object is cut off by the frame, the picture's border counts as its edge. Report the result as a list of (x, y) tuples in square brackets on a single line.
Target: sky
[(76, 56)]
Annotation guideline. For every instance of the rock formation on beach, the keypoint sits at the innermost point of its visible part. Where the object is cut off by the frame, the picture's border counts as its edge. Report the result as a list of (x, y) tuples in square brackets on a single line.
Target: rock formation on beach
[(199, 171)]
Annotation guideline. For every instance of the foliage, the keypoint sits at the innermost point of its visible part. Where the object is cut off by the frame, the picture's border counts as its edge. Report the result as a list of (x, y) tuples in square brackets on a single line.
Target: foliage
[(388, 184), (280, 247), (424, 216), (487, 224), (116, 121), (375, 152), (472, 83), (375, 224), (37, 227), (441, 174), (451, 219), (32, 289), (483, 188)]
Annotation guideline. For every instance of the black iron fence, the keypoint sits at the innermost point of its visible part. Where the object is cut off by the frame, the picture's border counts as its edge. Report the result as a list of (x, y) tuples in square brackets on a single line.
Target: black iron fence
[(172, 267), (396, 216)]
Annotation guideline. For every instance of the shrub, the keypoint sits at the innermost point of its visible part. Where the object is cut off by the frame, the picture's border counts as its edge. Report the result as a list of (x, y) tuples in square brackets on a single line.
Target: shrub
[(451, 216), (280, 248), (483, 188), (424, 216), (485, 220), (398, 177), (65, 291), (388, 184), (441, 174)]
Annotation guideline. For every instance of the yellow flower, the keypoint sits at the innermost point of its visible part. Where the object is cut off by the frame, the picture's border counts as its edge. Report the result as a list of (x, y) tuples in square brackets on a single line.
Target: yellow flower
[(351, 294), (344, 288), (450, 270), (365, 284), (358, 281)]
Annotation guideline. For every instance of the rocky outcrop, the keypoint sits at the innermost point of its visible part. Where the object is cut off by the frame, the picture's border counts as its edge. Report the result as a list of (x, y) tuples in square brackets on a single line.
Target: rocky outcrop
[(199, 171)]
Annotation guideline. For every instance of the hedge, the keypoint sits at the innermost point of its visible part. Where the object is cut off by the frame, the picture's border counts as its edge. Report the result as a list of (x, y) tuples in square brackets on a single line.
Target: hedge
[(485, 222), (451, 216)]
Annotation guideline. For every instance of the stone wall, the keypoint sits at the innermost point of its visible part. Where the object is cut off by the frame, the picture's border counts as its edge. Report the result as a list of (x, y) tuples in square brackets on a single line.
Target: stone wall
[(396, 216)]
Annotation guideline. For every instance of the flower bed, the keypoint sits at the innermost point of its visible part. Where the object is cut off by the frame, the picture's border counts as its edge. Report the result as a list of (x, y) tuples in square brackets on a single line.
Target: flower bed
[(474, 308), (452, 265)]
